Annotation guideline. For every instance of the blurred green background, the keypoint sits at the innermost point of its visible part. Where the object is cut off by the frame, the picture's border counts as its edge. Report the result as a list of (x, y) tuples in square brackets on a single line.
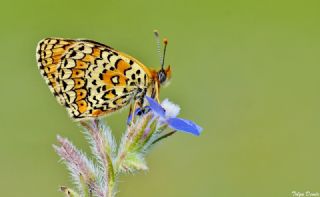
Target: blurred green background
[(246, 71)]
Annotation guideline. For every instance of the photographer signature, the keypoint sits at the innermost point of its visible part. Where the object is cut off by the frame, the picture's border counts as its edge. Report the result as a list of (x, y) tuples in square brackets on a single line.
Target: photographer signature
[(305, 194)]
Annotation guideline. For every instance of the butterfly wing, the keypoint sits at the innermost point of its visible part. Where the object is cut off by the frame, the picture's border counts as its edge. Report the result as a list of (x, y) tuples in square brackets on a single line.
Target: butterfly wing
[(89, 78)]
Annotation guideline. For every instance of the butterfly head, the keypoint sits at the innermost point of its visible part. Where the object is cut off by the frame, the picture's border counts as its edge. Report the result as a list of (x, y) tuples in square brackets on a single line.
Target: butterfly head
[(164, 75)]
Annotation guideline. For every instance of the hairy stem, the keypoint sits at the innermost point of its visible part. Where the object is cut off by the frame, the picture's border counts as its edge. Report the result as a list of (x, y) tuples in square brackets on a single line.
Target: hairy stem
[(103, 150)]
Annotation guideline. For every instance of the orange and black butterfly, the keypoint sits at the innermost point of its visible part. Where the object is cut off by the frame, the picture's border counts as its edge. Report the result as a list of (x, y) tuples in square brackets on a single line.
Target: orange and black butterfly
[(92, 79)]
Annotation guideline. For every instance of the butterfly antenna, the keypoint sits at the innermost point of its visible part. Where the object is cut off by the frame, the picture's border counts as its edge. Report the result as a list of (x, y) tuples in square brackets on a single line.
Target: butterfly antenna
[(156, 34), (165, 42)]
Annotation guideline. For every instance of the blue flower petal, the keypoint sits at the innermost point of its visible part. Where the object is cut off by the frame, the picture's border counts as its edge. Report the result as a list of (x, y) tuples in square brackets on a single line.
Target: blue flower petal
[(184, 125), (156, 107)]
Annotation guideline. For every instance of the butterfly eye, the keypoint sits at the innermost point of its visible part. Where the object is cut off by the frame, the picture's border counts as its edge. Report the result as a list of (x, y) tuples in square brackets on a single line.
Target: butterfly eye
[(162, 76)]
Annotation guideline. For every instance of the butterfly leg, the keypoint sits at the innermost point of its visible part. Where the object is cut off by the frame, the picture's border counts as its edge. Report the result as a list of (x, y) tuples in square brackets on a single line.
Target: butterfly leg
[(129, 119), (132, 113), (157, 91), (137, 108)]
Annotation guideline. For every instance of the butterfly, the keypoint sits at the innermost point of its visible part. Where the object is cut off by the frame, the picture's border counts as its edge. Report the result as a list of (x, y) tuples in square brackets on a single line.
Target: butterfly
[(92, 79)]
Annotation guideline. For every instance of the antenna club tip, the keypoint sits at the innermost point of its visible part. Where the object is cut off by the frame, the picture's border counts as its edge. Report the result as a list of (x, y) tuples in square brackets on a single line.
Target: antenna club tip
[(156, 32), (165, 41)]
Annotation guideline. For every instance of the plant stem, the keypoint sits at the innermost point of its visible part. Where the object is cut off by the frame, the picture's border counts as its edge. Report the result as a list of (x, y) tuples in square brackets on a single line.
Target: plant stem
[(164, 136), (104, 150)]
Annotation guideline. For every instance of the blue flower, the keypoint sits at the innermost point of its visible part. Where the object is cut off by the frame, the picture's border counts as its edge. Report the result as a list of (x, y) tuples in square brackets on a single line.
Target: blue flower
[(173, 122)]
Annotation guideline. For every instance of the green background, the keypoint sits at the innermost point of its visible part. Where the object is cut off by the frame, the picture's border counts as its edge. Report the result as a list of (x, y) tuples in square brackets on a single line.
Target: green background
[(246, 71)]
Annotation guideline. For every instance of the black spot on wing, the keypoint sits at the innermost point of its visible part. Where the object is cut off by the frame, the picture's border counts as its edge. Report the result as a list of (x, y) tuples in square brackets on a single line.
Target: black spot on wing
[(127, 70), (73, 53), (109, 56), (117, 62), (99, 89), (104, 96), (64, 84), (145, 79), (81, 48), (101, 76), (113, 91), (104, 88), (132, 83), (96, 61)]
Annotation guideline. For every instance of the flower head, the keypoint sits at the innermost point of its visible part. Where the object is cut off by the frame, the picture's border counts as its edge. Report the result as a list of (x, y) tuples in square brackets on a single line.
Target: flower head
[(168, 114)]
